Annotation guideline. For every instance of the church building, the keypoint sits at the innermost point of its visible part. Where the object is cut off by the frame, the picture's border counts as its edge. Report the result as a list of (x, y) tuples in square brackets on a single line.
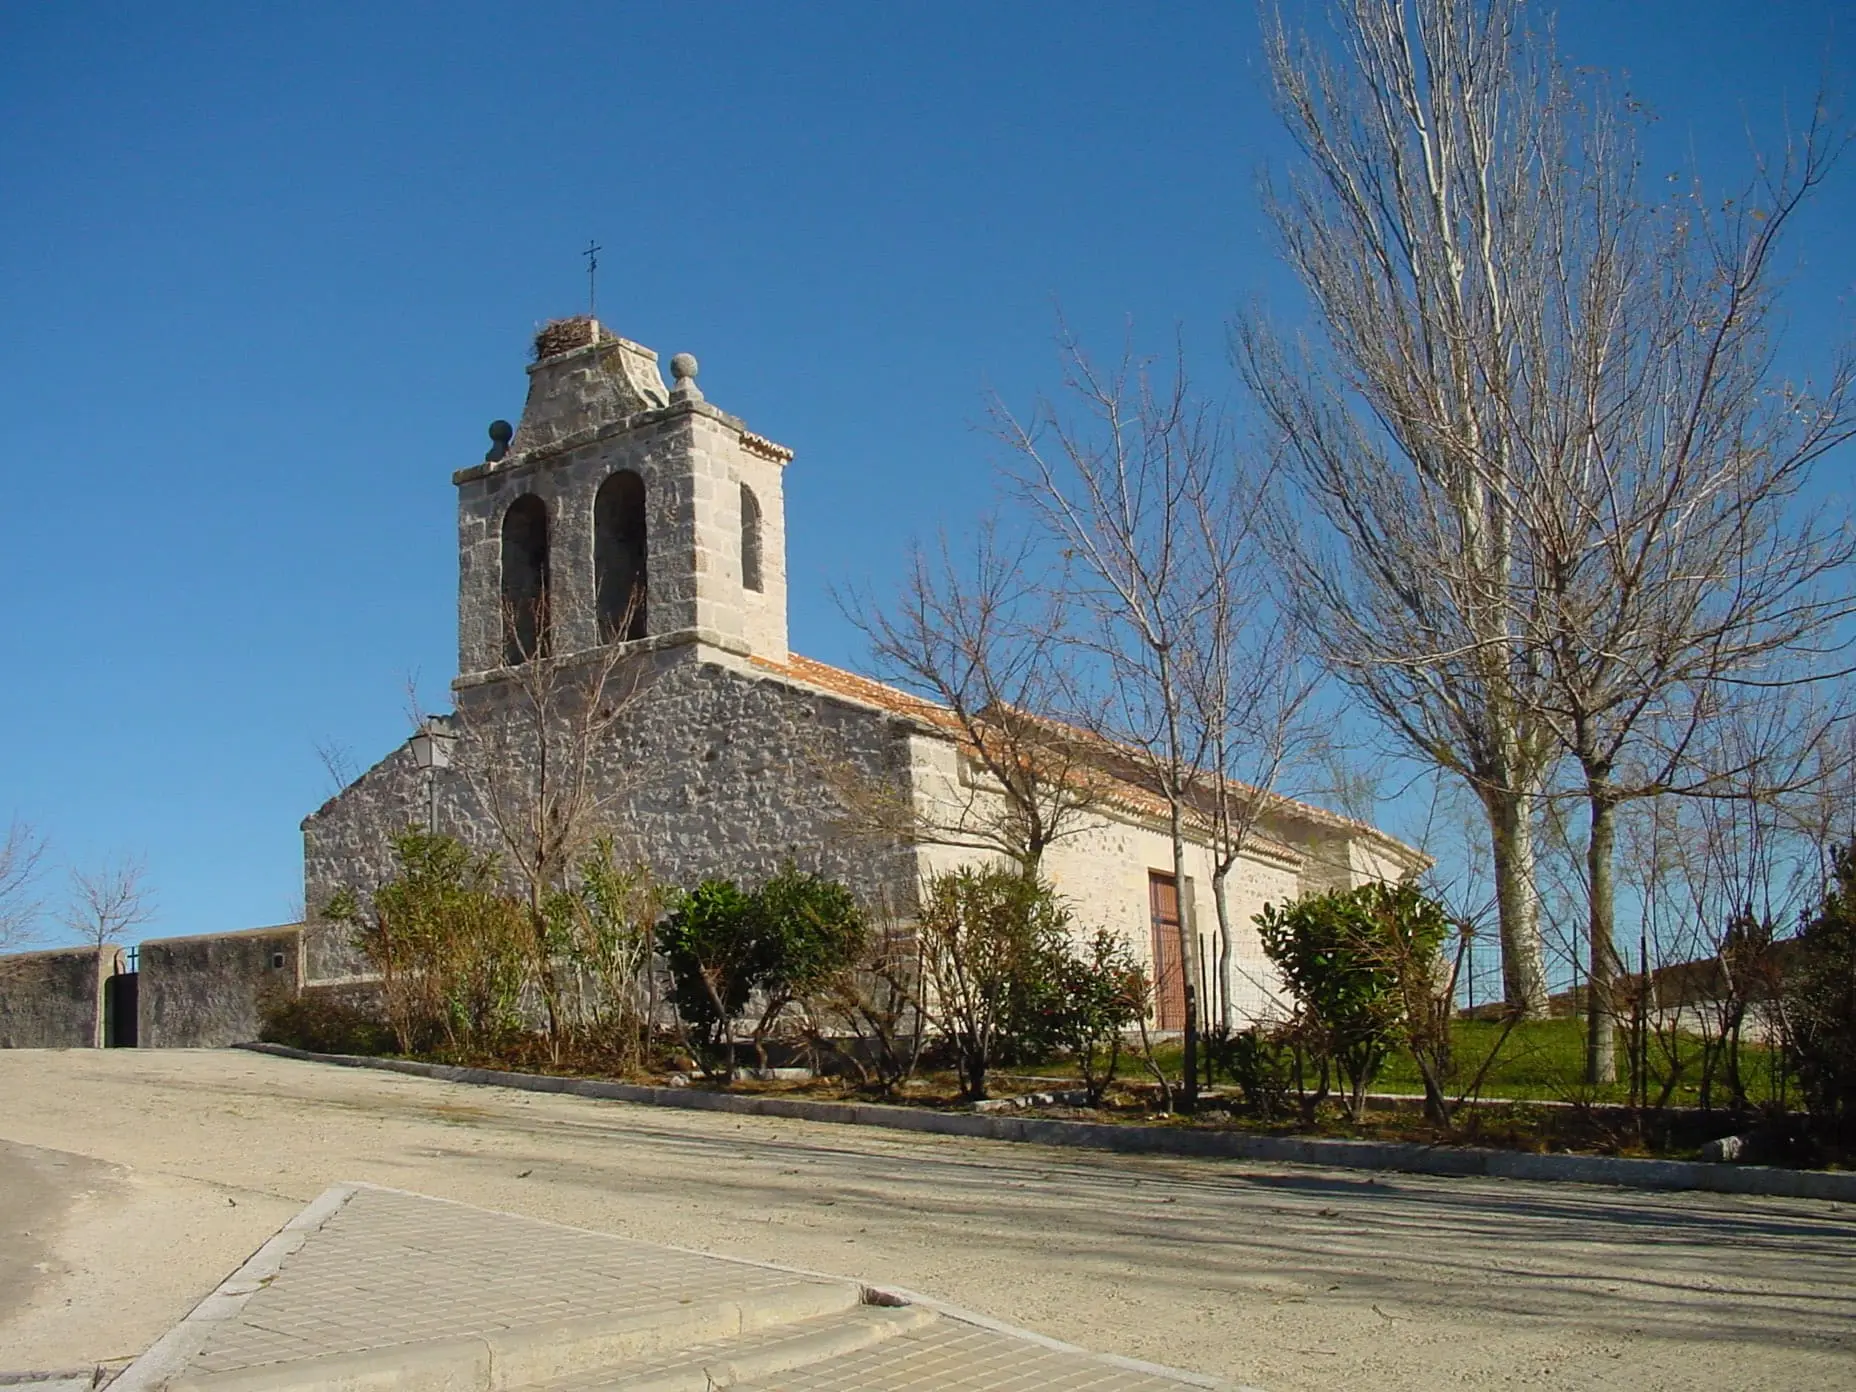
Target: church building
[(629, 540)]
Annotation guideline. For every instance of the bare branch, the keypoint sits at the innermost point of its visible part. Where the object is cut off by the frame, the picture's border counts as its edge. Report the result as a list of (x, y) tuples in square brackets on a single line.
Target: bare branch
[(984, 641), (107, 901), (338, 762), (536, 757), (22, 853)]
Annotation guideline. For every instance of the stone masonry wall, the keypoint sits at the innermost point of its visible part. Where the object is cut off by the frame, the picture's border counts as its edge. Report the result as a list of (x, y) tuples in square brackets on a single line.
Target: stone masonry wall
[(1101, 870), (206, 992), (52, 1000), (346, 842), (717, 768)]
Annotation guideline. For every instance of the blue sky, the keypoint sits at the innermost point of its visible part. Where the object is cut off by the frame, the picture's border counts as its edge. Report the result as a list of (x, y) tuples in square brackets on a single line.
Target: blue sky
[(266, 272)]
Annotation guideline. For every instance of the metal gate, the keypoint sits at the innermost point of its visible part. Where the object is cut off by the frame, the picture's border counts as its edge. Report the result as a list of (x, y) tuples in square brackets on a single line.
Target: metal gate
[(120, 1001)]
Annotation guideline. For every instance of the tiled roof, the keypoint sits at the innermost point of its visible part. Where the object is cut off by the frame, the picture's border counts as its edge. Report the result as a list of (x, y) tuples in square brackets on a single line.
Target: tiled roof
[(1114, 763), (872, 693)]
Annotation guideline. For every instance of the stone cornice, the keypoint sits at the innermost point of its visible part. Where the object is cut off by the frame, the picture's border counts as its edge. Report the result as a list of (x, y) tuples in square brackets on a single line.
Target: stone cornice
[(656, 642), (517, 464)]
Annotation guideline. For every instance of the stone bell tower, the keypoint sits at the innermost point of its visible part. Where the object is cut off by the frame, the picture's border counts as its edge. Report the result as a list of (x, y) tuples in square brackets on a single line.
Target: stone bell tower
[(617, 510)]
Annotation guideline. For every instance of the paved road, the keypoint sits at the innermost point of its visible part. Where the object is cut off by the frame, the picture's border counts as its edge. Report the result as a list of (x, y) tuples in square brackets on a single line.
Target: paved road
[(1269, 1275)]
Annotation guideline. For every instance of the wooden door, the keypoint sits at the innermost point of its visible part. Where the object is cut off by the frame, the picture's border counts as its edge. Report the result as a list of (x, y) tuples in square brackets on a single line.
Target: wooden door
[(1169, 970)]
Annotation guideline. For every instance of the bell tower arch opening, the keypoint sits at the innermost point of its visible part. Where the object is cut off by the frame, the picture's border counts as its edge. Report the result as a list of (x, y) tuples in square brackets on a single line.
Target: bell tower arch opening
[(619, 557), (526, 580)]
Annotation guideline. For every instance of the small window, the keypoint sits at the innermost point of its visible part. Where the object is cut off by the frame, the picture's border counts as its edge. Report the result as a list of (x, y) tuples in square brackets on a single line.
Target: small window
[(277, 961), (750, 540)]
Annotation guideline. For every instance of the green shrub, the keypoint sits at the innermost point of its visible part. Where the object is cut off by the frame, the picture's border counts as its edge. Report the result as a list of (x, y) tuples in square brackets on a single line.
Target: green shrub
[(992, 948), (1362, 963), (1264, 1062), (813, 928), (812, 932), (711, 945), (1095, 994), (725, 947), (604, 924), (451, 950), (323, 1022)]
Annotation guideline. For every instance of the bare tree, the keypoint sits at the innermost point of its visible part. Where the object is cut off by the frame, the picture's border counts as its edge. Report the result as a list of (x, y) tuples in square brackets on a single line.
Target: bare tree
[(1543, 428), (1717, 879), (1247, 685), (22, 852), (104, 904), (1415, 218), (1676, 567), (537, 747), (1115, 488), (986, 643), (1754, 766)]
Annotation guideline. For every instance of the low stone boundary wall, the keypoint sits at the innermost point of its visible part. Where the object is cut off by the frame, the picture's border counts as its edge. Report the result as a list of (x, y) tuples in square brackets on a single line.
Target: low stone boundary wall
[(205, 991), (53, 1000), (1161, 1140)]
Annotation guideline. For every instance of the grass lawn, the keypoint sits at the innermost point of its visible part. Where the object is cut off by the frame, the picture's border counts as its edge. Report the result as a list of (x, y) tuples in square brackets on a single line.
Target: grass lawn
[(1544, 1061), (1539, 1061)]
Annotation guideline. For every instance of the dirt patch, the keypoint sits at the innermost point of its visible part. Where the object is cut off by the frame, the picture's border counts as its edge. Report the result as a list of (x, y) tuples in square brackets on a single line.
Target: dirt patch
[(36, 1193)]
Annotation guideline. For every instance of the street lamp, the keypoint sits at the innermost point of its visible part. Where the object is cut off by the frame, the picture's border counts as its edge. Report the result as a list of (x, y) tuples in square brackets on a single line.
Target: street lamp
[(431, 751)]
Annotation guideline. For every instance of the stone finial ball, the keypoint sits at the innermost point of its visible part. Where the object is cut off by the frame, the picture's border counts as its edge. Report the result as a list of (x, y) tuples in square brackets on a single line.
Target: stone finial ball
[(683, 366), (501, 431)]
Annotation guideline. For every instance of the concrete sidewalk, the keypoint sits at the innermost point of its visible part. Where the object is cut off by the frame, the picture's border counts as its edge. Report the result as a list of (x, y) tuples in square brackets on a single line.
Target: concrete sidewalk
[(374, 1288)]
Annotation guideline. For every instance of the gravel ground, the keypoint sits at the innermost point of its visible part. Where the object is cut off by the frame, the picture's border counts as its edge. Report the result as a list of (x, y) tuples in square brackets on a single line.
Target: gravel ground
[(1285, 1278)]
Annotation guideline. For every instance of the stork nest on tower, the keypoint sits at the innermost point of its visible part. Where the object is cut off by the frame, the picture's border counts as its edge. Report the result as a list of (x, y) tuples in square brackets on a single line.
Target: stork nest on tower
[(564, 335)]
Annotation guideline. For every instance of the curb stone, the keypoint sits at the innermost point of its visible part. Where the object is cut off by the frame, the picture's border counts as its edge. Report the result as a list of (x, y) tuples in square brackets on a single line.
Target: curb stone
[(169, 1355), (1332, 1153), (746, 1366)]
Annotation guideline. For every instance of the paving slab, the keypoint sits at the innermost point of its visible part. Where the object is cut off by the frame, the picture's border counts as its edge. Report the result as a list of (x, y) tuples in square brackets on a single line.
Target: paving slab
[(957, 1357), (375, 1288)]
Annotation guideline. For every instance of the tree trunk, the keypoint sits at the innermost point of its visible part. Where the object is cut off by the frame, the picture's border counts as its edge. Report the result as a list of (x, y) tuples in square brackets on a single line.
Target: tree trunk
[(973, 1070), (1730, 1055), (1227, 948), (1189, 967), (1524, 974), (1601, 1062), (101, 979), (1436, 1099), (544, 968)]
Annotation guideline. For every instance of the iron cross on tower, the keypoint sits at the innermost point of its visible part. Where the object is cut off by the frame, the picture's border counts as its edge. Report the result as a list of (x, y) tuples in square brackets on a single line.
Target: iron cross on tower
[(591, 253)]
